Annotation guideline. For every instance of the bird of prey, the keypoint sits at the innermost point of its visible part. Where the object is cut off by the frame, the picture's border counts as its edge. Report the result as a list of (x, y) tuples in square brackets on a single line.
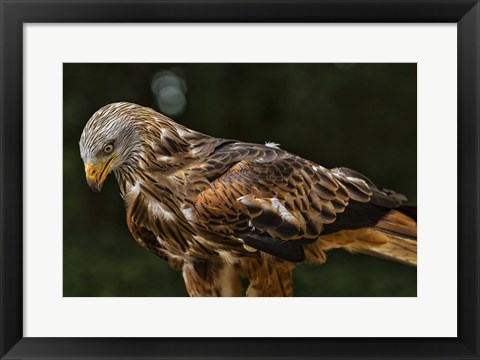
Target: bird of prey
[(219, 210)]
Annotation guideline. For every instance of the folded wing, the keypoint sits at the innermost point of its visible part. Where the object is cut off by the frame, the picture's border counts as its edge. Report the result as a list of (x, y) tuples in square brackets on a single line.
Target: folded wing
[(277, 202)]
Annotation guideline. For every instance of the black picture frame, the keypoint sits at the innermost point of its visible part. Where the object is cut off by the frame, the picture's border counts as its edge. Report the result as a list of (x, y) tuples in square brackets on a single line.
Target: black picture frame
[(14, 13)]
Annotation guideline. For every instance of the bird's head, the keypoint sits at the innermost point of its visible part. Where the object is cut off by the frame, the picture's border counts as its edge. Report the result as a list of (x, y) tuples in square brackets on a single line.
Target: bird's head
[(124, 137), (109, 141)]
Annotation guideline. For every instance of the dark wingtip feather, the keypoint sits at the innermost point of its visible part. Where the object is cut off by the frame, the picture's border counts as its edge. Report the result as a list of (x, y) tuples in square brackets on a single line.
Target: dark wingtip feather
[(285, 250)]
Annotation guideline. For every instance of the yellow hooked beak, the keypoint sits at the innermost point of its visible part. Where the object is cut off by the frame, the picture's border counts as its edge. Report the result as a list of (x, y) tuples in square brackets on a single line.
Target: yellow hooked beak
[(96, 174)]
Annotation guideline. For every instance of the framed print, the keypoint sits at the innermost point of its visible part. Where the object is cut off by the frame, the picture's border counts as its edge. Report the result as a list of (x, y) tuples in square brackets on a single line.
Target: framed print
[(252, 143)]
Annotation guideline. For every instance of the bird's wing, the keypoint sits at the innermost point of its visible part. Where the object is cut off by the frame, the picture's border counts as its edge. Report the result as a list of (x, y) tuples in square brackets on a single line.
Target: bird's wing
[(276, 202)]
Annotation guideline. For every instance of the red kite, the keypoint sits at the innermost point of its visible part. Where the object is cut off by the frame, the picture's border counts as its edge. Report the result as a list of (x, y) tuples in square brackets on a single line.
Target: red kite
[(219, 209)]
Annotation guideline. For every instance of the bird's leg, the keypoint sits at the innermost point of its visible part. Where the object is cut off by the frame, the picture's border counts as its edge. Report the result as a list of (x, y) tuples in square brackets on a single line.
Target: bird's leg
[(268, 277), (211, 279)]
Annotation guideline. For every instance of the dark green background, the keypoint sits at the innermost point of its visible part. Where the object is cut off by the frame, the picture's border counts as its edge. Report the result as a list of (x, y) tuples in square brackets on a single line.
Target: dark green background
[(361, 116)]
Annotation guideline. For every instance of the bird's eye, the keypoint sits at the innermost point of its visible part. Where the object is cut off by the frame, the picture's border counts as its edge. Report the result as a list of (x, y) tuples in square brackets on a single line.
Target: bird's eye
[(108, 148)]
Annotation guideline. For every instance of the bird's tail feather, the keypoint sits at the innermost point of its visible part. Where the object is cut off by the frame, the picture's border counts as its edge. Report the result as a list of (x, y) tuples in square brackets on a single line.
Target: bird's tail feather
[(401, 233), (394, 238)]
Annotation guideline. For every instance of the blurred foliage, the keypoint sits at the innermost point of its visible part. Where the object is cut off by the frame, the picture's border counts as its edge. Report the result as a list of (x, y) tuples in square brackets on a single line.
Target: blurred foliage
[(361, 116)]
